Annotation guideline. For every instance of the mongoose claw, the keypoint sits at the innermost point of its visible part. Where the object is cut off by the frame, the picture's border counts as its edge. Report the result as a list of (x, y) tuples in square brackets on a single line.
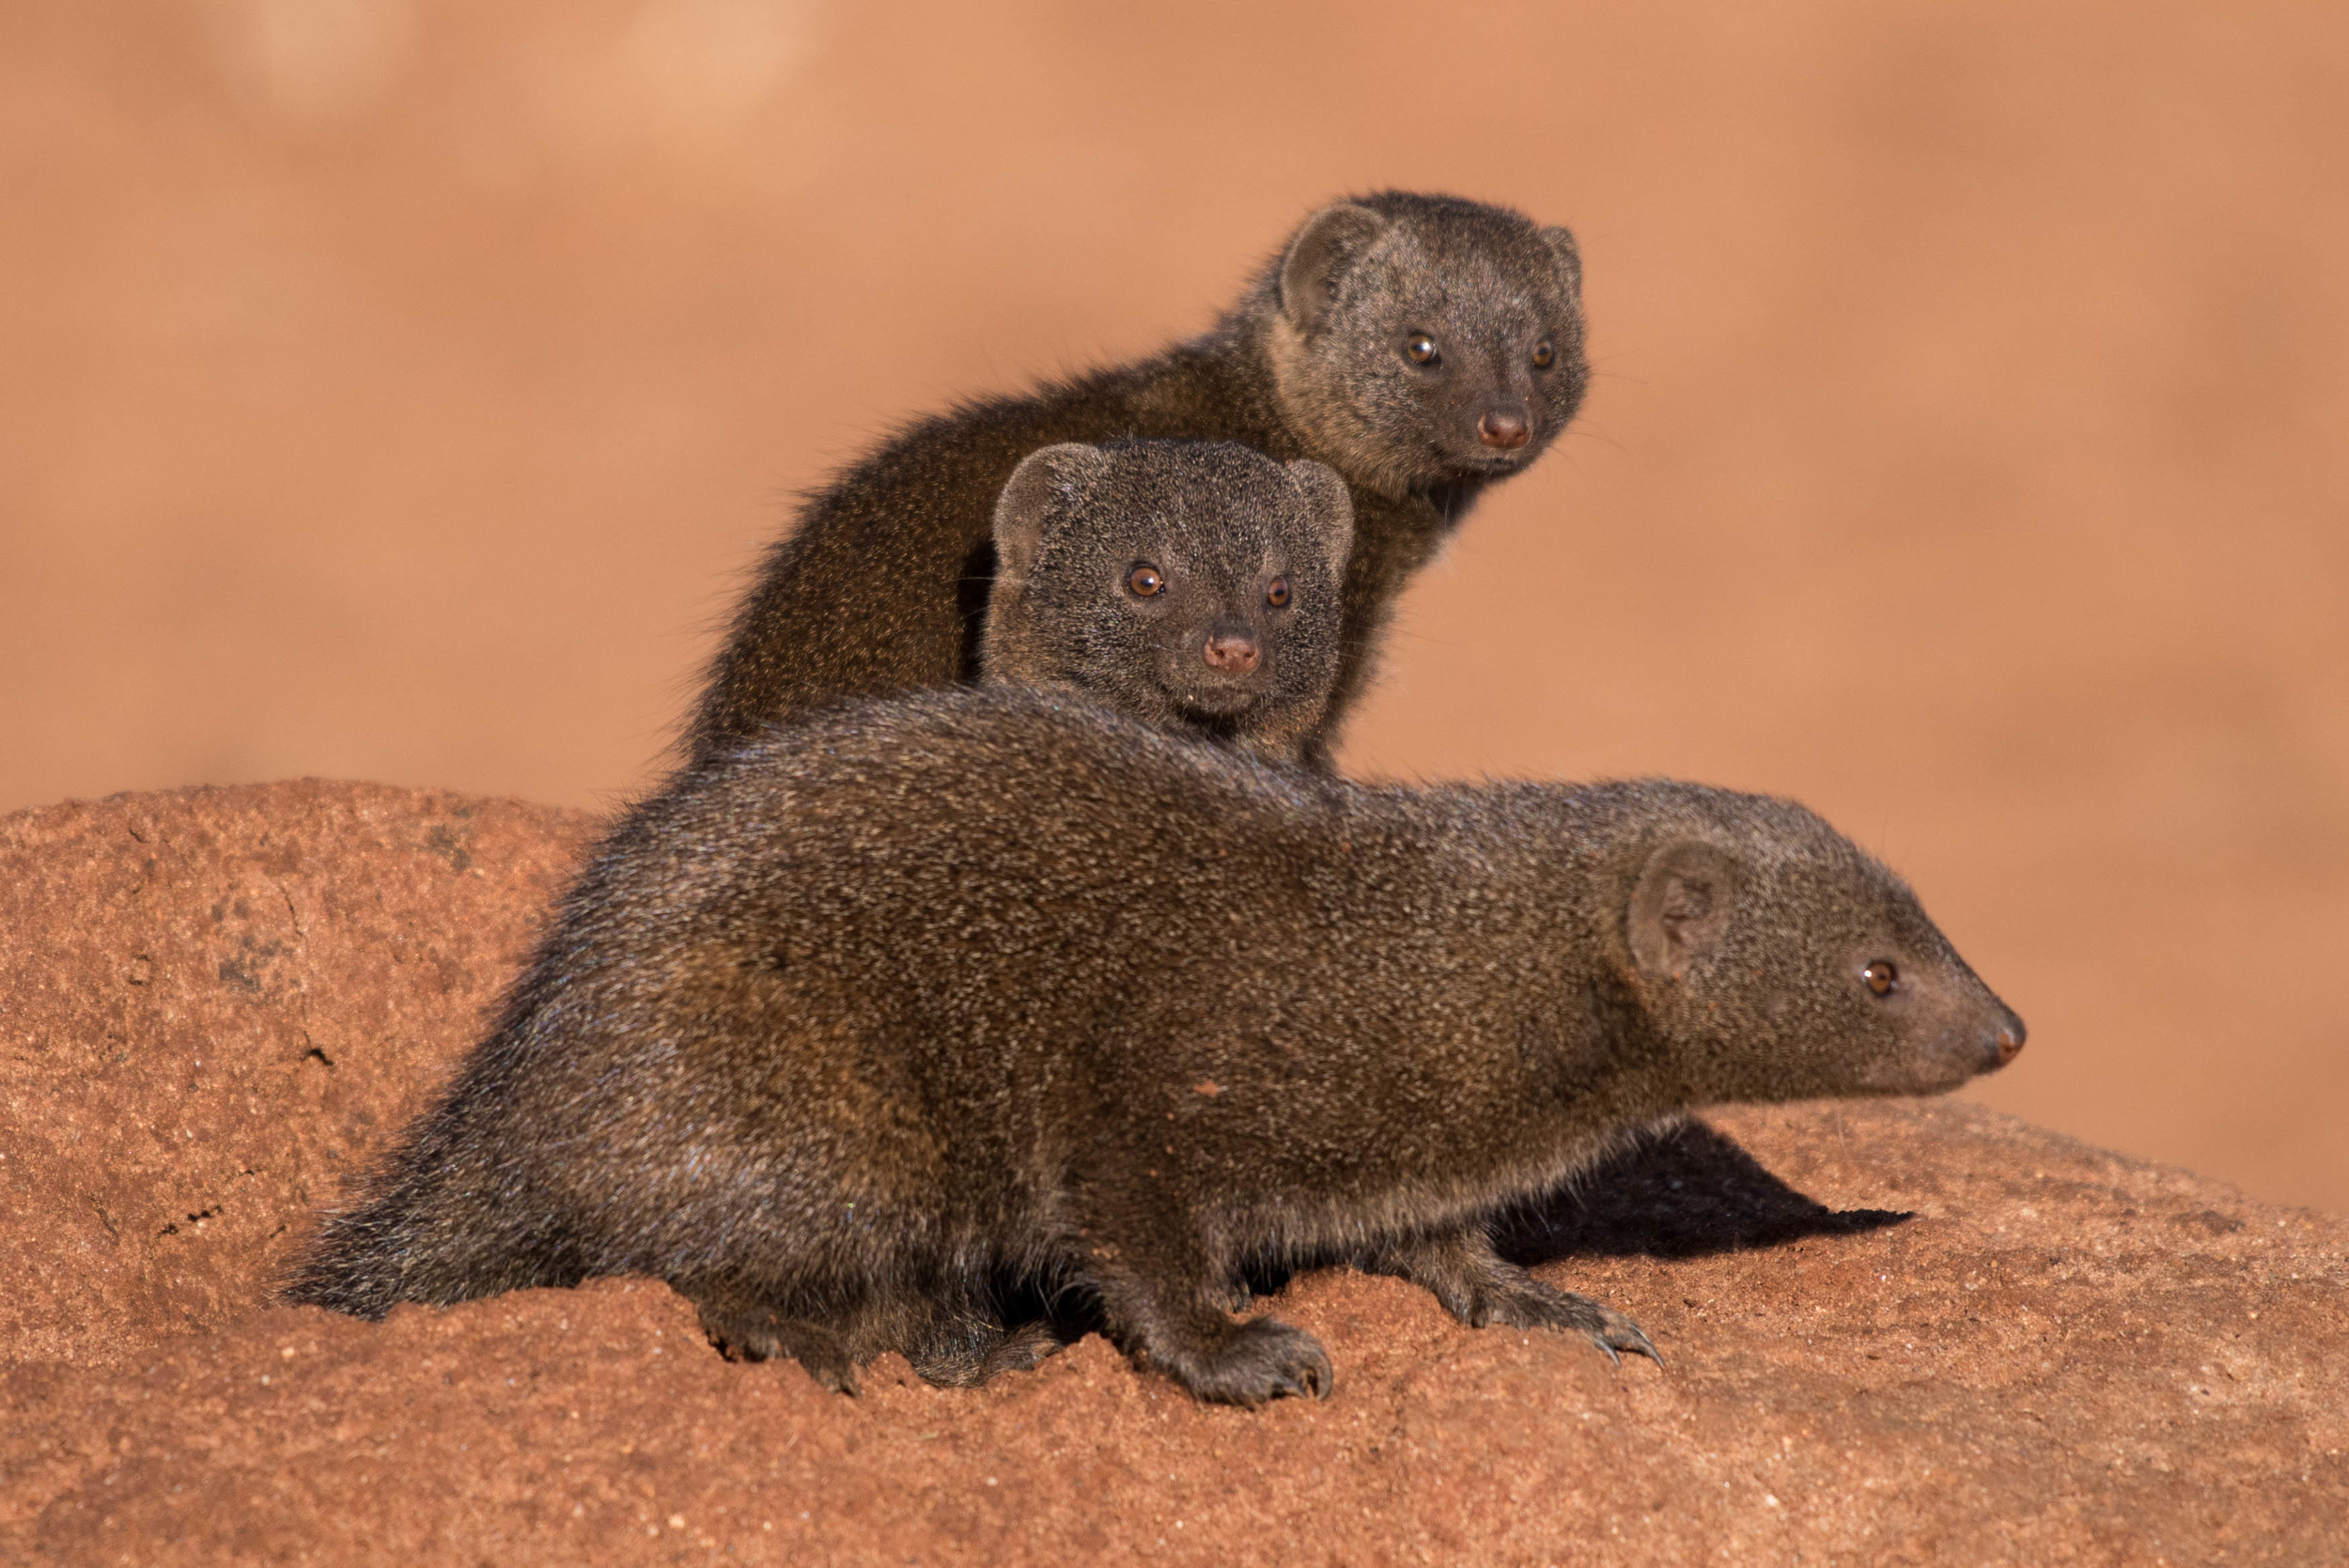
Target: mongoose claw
[(744, 1329), (1604, 1326), (1610, 1330), (1620, 1335), (1262, 1360)]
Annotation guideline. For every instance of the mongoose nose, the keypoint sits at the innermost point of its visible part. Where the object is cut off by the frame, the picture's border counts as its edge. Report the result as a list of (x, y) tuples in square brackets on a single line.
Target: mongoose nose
[(1503, 429), (1232, 653), (2011, 1036)]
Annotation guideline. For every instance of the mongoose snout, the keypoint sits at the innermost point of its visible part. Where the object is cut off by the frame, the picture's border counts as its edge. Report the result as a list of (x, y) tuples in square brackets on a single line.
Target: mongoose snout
[(1990, 1044), (1234, 653), (1503, 429)]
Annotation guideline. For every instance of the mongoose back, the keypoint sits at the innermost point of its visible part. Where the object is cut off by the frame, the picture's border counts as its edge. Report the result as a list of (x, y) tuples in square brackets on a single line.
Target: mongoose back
[(1422, 346), (828, 1038), (1190, 584)]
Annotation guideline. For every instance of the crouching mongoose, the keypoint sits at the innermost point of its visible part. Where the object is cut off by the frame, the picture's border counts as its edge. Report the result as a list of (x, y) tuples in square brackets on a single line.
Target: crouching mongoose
[(839, 1028), (1422, 346)]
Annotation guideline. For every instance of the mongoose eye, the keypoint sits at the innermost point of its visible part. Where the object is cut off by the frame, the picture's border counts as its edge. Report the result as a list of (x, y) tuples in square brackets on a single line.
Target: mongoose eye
[(1143, 581), (1881, 976), (1544, 352), (1276, 594), (1420, 349)]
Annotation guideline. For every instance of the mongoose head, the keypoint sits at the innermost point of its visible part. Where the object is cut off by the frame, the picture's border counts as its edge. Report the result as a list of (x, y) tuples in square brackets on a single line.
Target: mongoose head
[(1419, 341), (1192, 584), (1779, 961)]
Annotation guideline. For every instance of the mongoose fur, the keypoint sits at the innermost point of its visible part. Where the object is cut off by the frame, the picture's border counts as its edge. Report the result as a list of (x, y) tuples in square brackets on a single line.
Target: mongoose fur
[(829, 1039), (1422, 346), (1190, 584)]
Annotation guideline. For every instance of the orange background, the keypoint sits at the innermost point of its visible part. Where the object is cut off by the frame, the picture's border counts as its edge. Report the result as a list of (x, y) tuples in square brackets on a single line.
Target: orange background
[(397, 391)]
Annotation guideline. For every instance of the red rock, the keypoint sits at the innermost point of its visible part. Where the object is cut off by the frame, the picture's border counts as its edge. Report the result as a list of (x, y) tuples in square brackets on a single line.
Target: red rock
[(218, 1002)]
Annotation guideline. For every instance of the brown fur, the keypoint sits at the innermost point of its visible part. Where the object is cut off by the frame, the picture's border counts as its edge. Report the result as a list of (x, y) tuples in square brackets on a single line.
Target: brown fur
[(882, 585), (1218, 525), (841, 1031)]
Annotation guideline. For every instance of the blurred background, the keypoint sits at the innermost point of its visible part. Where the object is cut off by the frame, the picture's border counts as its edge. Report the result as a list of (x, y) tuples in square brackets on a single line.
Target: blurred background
[(398, 390)]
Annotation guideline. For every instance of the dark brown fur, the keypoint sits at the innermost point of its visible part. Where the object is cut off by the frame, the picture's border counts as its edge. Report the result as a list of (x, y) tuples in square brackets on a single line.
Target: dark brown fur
[(882, 587), (842, 1030), (1218, 526)]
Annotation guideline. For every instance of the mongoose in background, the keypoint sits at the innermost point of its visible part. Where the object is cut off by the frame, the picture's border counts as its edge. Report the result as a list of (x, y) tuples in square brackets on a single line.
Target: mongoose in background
[(828, 1038), (1190, 584), (1422, 346)]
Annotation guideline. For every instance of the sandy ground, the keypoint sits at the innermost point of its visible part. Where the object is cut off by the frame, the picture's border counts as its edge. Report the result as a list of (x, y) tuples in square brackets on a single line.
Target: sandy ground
[(396, 389), (1894, 1333)]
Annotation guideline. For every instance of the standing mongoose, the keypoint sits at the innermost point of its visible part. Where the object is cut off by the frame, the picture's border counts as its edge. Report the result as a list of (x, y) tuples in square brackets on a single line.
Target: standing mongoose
[(829, 1039), (1190, 584), (1422, 346)]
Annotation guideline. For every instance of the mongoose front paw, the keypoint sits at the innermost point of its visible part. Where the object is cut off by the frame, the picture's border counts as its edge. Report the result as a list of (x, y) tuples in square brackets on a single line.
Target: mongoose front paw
[(1604, 1326), (1020, 1349), (1264, 1359), (748, 1332)]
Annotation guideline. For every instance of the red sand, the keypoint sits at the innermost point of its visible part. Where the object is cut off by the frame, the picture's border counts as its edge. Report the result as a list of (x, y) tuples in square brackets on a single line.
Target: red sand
[(221, 1001)]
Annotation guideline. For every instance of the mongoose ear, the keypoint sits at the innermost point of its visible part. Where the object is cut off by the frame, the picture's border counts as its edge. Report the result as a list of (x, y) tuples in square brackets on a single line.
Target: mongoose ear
[(1320, 256), (1682, 907), (1569, 260), (1331, 505), (1049, 475)]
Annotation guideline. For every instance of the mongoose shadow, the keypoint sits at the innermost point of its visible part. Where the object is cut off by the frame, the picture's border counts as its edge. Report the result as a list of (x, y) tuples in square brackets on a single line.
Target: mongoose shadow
[(1680, 1192), (1687, 1191)]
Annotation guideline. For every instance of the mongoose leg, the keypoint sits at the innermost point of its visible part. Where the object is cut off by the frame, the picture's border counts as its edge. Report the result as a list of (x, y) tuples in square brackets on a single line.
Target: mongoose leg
[(746, 1327), (1236, 1364), (1162, 1296), (1459, 1267), (968, 1364)]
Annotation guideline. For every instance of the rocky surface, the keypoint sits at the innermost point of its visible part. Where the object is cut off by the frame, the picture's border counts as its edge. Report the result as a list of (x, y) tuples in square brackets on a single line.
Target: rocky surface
[(1894, 1333)]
